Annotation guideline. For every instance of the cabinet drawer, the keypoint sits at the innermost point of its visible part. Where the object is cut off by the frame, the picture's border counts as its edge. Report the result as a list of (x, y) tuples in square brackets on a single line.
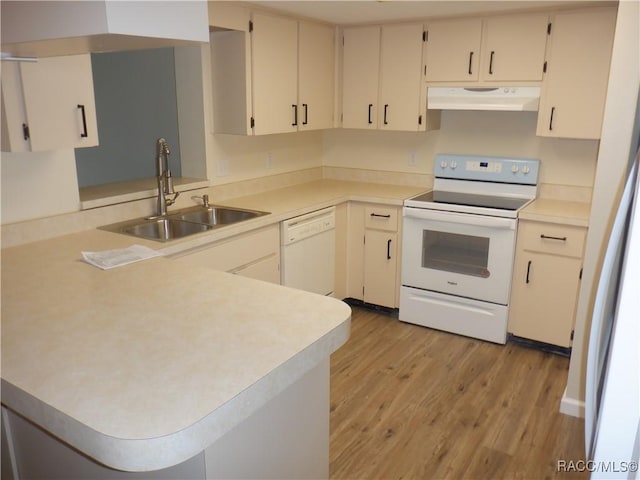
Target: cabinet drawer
[(551, 238), (381, 218), (235, 252)]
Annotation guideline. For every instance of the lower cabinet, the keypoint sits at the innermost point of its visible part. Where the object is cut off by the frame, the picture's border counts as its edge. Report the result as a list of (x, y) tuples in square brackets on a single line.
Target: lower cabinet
[(255, 254), (546, 280), (373, 254)]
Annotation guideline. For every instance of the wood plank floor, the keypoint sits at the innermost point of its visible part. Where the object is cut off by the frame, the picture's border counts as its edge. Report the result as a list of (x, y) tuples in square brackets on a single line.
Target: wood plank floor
[(409, 402)]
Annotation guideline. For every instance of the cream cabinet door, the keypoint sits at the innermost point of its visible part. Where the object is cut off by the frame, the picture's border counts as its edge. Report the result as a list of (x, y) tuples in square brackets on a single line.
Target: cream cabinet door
[(400, 78), (54, 99), (254, 254), (452, 50), (316, 76), (354, 247), (267, 270), (546, 278), (575, 85), (274, 43), (514, 47), (543, 297), (360, 71), (380, 267)]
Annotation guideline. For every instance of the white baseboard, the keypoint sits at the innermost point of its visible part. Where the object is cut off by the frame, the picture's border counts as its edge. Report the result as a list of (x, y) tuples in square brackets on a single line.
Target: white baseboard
[(571, 406)]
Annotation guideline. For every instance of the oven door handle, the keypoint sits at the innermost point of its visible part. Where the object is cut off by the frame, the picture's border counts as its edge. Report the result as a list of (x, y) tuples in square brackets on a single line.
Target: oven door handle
[(460, 218)]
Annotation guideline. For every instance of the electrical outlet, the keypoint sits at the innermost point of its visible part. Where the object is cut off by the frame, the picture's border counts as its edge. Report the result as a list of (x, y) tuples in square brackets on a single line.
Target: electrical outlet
[(222, 167), (412, 159), (268, 161)]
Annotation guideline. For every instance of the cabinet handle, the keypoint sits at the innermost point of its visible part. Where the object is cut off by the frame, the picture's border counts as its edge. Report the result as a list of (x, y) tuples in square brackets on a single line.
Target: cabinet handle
[(491, 62), (528, 270), (381, 216), (549, 237), (385, 114), (389, 249), (295, 115), (553, 110), (84, 133), (306, 113), (370, 107), (470, 60)]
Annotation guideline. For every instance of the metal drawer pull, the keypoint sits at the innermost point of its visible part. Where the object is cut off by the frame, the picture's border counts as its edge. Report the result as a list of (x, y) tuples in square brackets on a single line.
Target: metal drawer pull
[(369, 119), (470, 61), (84, 133), (528, 271), (389, 249), (295, 115), (381, 216), (548, 237)]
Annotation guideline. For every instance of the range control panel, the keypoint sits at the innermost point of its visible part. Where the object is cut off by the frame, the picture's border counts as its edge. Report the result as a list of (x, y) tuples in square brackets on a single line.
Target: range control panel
[(522, 171)]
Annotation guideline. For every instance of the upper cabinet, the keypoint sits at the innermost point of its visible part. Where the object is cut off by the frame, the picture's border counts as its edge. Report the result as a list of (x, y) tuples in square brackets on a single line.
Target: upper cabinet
[(508, 48), (400, 105), (274, 50), (52, 28), (48, 104), (360, 76), (316, 76), (452, 50), (274, 76), (381, 79), (574, 89), (513, 48)]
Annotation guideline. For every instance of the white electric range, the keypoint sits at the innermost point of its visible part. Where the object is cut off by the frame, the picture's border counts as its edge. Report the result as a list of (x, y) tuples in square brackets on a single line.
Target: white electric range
[(459, 242)]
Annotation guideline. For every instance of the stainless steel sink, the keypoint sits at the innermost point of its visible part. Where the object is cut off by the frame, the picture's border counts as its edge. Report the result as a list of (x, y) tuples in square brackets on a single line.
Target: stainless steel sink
[(182, 223), (161, 229), (215, 215)]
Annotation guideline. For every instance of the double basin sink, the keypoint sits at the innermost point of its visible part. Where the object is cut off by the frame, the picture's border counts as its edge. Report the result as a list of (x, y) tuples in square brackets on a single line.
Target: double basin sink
[(184, 222)]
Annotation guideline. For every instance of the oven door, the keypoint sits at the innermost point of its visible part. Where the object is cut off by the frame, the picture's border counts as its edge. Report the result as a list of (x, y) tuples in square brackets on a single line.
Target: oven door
[(458, 253)]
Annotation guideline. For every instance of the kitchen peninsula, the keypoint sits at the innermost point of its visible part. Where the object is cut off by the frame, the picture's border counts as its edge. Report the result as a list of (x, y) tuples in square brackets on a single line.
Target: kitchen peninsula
[(152, 364), (145, 366)]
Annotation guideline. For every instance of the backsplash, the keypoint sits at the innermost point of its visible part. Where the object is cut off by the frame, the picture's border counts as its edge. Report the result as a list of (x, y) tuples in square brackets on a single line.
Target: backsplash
[(43, 185), (504, 134)]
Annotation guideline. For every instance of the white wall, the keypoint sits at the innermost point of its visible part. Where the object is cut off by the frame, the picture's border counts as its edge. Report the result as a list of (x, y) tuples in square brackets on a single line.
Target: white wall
[(246, 157), (37, 185), (564, 162), (615, 150)]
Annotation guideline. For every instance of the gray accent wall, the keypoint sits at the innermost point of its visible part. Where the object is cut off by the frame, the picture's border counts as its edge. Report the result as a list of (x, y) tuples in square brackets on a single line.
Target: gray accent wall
[(135, 94)]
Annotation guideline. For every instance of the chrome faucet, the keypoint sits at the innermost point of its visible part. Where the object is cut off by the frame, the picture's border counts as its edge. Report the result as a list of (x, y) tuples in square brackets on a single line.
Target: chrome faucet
[(165, 182)]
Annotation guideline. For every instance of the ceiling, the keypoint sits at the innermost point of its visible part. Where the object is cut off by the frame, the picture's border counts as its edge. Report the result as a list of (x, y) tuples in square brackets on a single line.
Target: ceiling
[(372, 11)]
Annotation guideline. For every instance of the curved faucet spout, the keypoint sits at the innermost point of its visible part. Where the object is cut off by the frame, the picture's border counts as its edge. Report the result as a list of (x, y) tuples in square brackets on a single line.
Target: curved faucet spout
[(165, 182)]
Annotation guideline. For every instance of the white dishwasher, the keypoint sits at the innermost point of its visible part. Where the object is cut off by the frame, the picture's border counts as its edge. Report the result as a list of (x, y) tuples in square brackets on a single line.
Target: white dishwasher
[(308, 251)]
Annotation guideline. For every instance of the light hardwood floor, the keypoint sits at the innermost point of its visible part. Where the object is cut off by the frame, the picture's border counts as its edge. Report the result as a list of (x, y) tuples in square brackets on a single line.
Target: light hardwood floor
[(414, 403)]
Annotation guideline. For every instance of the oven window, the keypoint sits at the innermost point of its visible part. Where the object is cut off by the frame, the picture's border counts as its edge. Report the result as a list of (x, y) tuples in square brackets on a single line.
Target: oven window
[(452, 252)]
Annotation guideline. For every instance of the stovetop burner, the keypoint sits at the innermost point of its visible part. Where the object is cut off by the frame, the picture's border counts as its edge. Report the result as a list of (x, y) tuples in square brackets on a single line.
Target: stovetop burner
[(472, 200), (492, 186)]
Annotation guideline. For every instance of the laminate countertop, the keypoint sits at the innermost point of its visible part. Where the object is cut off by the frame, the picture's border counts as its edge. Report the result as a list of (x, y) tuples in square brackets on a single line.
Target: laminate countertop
[(145, 365), (557, 211)]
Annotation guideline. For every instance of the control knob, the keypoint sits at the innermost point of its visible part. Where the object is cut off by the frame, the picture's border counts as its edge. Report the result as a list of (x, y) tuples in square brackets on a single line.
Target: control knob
[(443, 164), (526, 169), (454, 164), (514, 168)]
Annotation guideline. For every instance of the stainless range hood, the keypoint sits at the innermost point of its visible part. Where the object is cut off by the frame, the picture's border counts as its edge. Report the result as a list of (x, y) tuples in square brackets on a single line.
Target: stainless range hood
[(515, 99)]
